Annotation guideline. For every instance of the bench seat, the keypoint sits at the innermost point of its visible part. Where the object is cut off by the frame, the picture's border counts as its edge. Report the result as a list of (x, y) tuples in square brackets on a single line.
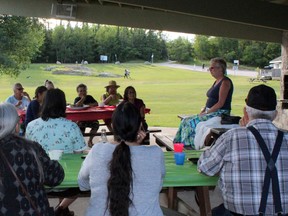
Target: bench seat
[(167, 141)]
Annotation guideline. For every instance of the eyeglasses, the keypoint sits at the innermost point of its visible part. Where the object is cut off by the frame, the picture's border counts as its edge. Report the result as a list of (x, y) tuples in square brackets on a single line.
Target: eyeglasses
[(213, 67)]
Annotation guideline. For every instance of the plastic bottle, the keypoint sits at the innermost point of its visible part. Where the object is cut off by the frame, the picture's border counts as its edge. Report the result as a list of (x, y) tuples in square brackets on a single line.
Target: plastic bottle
[(103, 135), (22, 130)]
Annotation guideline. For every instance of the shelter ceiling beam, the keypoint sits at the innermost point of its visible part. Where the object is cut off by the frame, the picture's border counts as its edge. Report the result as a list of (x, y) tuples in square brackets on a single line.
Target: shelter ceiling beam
[(150, 17)]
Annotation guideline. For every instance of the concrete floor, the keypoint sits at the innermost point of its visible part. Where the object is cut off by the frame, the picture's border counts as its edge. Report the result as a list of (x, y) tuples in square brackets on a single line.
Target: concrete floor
[(186, 200)]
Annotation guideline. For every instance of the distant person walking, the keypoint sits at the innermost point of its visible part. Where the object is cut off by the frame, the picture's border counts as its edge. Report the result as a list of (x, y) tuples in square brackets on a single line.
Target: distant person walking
[(127, 74)]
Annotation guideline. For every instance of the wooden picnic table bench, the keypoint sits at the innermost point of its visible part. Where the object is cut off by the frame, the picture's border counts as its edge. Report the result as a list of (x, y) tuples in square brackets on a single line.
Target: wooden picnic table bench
[(167, 141)]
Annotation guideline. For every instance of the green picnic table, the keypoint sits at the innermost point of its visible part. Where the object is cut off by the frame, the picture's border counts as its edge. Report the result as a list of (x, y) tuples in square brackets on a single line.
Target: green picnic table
[(176, 178)]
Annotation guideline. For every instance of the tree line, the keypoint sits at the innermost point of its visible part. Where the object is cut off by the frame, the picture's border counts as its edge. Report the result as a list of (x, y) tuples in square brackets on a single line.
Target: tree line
[(26, 40)]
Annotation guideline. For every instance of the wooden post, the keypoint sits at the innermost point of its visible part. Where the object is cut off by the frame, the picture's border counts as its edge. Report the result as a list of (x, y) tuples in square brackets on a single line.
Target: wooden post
[(204, 200), (172, 198), (282, 108), (284, 69)]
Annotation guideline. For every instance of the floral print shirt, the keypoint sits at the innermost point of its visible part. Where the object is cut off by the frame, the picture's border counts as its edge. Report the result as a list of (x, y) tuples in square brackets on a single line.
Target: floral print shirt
[(58, 133)]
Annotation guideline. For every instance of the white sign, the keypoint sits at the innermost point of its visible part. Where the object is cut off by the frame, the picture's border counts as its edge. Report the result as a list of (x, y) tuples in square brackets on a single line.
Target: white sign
[(236, 62), (103, 58)]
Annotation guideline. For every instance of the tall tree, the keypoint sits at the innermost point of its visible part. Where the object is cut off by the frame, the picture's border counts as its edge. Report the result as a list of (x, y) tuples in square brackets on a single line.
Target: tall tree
[(20, 40), (180, 50), (227, 48), (202, 47)]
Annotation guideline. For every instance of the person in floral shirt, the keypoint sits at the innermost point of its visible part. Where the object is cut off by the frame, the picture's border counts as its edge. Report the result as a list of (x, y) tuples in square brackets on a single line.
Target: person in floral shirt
[(54, 132)]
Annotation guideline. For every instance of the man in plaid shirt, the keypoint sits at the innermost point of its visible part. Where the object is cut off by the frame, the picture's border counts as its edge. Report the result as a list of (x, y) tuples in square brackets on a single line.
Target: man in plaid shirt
[(239, 161)]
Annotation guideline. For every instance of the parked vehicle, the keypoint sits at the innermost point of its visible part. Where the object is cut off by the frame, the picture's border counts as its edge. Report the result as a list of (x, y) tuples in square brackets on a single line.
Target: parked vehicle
[(269, 67), (266, 77)]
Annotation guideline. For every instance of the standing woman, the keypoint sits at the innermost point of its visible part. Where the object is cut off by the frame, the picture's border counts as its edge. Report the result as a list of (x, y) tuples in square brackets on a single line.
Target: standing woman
[(218, 102), (30, 163), (125, 178), (130, 95), (33, 110)]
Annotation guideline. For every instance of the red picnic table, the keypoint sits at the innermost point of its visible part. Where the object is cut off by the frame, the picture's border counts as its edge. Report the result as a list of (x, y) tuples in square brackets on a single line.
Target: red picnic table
[(87, 114)]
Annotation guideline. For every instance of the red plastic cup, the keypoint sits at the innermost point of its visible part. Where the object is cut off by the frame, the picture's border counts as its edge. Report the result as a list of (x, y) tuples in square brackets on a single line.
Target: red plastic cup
[(178, 147)]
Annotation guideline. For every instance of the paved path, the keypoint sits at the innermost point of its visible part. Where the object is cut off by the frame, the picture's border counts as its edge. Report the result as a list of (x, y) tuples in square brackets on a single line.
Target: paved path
[(172, 64)]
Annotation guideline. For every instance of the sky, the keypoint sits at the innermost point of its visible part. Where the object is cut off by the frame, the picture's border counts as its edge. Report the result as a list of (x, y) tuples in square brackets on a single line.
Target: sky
[(175, 35), (170, 35)]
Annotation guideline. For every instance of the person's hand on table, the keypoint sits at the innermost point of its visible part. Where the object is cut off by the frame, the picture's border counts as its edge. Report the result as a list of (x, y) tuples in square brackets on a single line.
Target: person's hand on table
[(18, 103), (80, 102), (112, 96)]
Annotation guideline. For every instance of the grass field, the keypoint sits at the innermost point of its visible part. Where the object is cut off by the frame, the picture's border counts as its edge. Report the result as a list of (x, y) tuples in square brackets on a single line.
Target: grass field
[(167, 91)]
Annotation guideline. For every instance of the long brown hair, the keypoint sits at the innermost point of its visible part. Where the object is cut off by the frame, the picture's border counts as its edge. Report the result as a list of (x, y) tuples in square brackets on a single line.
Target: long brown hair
[(126, 121)]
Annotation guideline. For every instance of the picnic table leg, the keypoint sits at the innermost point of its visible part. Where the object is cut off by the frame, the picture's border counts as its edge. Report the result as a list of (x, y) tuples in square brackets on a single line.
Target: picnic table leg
[(204, 200), (172, 198)]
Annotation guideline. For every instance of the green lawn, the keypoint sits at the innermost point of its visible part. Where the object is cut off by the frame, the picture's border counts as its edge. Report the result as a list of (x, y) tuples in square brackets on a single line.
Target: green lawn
[(167, 91)]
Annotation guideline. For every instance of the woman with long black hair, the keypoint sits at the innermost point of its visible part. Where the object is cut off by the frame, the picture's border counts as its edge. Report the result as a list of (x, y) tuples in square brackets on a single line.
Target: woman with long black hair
[(125, 178)]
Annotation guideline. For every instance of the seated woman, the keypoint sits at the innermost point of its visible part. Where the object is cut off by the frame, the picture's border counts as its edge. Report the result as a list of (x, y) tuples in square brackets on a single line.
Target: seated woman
[(218, 102), (125, 178), (33, 110), (49, 84), (131, 96), (111, 98), (84, 99), (28, 158), (53, 131)]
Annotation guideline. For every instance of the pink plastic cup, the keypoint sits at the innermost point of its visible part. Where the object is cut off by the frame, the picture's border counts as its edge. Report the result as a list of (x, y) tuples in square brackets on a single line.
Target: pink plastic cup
[(178, 147)]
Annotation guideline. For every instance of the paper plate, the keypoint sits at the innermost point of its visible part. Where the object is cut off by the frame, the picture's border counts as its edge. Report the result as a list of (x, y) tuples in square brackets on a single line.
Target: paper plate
[(77, 108)]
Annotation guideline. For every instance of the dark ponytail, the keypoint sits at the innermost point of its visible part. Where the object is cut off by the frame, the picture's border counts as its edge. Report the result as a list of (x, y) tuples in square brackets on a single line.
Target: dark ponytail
[(120, 181), (126, 121)]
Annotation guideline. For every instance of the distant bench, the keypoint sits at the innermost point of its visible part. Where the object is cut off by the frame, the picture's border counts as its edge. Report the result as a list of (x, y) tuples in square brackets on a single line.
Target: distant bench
[(167, 141)]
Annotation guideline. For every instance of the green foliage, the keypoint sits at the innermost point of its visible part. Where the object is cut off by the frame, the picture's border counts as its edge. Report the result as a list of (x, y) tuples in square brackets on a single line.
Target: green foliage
[(180, 50), (24, 39), (118, 43), (20, 40), (202, 47), (252, 53)]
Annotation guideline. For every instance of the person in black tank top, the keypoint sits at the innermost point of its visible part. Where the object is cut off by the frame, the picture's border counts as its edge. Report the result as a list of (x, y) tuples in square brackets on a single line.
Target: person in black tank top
[(218, 102), (220, 93)]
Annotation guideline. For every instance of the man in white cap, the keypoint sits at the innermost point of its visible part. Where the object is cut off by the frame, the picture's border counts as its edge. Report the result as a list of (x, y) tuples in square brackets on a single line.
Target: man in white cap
[(251, 161), (20, 99)]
